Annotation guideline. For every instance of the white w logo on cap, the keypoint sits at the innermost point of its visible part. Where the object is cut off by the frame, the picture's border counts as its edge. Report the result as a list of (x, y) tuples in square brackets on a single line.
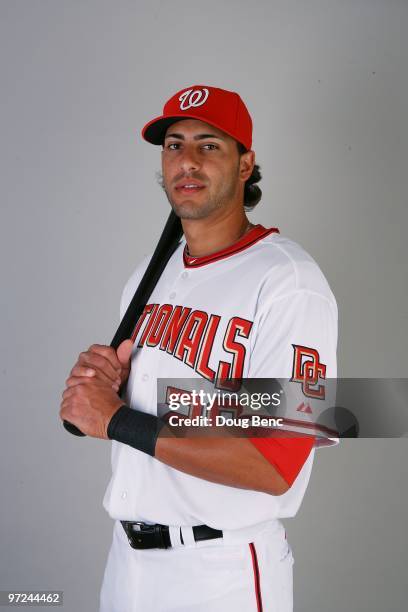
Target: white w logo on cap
[(193, 97)]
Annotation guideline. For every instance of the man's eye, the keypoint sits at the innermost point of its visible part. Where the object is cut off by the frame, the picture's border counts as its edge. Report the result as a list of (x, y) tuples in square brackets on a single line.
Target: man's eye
[(174, 146)]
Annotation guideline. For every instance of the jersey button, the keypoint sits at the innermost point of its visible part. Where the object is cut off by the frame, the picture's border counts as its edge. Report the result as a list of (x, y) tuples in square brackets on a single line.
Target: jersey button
[(124, 495), (184, 275), (145, 377), (172, 295)]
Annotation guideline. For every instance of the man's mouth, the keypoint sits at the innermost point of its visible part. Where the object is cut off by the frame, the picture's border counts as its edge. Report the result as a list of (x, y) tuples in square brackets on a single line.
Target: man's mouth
[(189, 187)]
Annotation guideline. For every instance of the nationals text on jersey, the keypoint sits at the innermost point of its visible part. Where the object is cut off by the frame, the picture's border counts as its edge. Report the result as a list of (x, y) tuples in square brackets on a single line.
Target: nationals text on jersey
[(189, 336)]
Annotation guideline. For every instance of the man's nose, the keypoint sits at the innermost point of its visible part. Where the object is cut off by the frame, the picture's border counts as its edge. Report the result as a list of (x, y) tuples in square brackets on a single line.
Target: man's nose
[(189, 160)]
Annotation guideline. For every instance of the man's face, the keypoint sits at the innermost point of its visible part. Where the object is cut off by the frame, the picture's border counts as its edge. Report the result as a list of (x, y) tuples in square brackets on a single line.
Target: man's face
[(201, 169)]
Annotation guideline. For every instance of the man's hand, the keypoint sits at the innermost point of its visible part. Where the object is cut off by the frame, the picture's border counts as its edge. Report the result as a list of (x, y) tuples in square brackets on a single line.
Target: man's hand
[(90, 406), (90, 398), (105, 364)]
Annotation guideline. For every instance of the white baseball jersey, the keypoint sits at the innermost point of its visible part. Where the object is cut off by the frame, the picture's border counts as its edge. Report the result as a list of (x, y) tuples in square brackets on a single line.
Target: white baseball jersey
[(261, 308)]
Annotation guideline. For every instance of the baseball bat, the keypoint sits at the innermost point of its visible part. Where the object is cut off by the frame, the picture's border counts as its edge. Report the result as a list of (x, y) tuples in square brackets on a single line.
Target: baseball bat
[(168, 242)]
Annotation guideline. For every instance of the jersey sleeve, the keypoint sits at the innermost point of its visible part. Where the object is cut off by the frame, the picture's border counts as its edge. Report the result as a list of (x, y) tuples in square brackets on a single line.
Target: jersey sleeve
[(302, 318), (295, 342)]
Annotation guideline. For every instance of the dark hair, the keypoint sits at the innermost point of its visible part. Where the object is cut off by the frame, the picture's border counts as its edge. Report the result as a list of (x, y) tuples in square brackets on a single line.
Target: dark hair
[(252, 193)]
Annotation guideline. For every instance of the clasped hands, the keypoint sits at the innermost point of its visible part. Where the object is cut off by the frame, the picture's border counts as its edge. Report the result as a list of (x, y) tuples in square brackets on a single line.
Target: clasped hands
[(90, 398)]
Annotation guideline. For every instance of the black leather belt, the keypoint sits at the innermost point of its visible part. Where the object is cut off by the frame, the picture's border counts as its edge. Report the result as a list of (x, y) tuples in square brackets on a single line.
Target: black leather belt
[(142, 535)]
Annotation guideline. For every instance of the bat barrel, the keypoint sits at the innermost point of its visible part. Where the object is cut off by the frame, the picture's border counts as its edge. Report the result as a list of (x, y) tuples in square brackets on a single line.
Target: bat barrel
[(168, 243)]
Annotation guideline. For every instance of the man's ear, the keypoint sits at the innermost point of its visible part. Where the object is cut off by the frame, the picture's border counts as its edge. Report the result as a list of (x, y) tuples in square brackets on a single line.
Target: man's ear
[(246, 165)]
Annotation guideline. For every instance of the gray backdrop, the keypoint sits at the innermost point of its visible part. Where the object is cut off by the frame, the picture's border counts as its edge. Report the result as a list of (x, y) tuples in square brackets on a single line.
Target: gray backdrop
[(326, 83)]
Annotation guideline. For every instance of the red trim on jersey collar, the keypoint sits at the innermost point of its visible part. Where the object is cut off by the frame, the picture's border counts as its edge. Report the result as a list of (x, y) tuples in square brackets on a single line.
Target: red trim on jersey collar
[(254, 235)]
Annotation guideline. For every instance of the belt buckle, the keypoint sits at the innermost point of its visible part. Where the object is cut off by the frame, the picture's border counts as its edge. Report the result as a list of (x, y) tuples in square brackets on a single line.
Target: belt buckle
[(142, 536)]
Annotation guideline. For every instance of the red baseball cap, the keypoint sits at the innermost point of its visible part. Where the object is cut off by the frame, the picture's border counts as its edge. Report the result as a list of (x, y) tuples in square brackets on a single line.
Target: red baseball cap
[(221, 108)]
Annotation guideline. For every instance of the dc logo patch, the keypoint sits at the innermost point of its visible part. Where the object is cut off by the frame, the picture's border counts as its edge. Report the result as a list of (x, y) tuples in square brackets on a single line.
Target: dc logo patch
[(193, 97), (307, 370)]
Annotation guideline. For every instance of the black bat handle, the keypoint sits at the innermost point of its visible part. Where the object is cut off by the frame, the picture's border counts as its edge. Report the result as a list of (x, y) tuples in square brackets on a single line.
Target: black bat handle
[(73, 429), (168, 243)]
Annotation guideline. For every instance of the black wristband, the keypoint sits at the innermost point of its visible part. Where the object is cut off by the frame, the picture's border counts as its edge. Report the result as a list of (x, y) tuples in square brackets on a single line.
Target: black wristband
[(135, 428)]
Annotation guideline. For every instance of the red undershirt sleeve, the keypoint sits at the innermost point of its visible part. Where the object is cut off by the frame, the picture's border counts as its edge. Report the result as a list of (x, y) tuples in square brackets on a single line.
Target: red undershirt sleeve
[(288, 455)]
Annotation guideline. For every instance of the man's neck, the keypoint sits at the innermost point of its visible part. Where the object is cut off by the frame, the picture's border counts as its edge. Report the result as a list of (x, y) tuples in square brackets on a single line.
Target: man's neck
[(207, 236)]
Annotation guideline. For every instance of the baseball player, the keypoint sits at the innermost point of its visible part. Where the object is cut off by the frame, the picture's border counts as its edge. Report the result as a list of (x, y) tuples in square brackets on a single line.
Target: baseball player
[(197, 519)]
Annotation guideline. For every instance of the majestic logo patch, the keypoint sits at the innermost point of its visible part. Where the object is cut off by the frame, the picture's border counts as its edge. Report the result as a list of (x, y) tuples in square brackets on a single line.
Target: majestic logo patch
[(193, 97), (305, 408), (307, 370)]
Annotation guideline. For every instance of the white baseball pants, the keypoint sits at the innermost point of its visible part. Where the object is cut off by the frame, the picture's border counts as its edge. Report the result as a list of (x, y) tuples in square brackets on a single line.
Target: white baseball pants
[(214, 576)]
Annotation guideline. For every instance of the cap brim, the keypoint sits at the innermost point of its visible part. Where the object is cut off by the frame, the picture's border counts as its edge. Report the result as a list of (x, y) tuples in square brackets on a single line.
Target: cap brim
[(155, 130)]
